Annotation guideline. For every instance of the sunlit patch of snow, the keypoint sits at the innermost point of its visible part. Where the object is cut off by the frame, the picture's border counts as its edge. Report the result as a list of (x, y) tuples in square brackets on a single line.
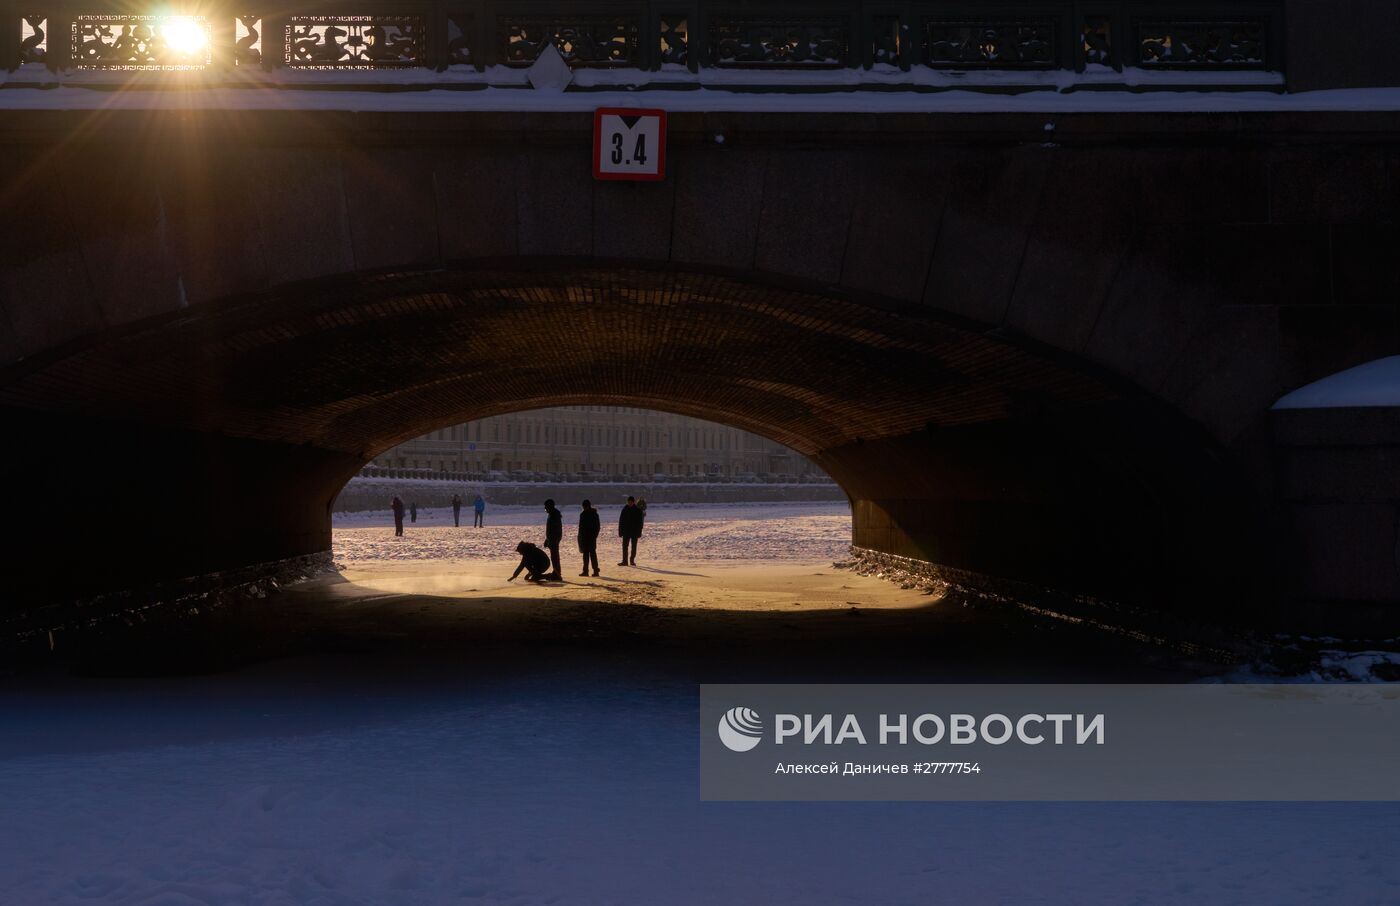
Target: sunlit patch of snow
[(674, 532)]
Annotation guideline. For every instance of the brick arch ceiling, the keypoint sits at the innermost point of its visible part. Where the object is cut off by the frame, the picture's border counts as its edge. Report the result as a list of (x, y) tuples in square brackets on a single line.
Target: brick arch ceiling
[(957, 445), (358, 364)]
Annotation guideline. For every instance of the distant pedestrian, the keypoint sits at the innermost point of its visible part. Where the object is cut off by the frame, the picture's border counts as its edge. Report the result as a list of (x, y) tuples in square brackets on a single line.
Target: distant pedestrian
[(479, 506), (553, 535), (397, 506), (589, 528), (456, 511), (412, 512), (629, 529), (532, 560)]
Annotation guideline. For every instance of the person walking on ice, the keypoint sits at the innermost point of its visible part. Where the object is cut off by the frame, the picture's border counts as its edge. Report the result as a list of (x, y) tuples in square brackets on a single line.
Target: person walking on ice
[(397, 506), (553, 535), (457, 510), (629, 529), (588, 529)]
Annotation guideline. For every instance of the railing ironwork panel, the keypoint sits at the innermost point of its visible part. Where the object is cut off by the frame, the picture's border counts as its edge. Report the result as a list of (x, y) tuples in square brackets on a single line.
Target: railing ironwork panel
[(1097, 44), (772, 42), (888, 40), (581, 40), (673, 40), (344, 42), (1201, 43), (462, 39), (33, 39), (992, 42), (250, 40), (779, 35), (140, 42), (1221, 36)]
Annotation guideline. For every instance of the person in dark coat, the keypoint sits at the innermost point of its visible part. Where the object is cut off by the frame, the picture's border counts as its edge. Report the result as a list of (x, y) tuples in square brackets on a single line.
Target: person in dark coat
[(589, 528), (479, 505), (397, 506), (641, 525), (457, 510), (413, 512), (629, 529), (553, 535), (533, 561)]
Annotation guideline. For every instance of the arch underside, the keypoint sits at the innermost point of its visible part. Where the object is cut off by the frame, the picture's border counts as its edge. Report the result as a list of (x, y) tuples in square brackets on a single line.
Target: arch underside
[(956, 444)]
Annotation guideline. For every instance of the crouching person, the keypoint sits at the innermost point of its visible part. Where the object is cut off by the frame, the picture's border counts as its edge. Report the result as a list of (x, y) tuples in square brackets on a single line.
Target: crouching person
[(534, 562)]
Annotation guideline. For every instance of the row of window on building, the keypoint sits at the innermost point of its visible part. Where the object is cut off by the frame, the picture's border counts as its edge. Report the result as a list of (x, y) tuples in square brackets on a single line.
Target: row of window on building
[(598, 441), (502, 430)]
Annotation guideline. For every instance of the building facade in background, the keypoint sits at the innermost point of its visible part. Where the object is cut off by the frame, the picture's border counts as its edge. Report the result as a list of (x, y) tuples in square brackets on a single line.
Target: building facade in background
[(597, 441)]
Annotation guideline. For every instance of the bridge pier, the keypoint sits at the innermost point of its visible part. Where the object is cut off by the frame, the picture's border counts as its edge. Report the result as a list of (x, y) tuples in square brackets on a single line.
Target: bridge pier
[(1339, 479), (102, 506), (1102, 502)]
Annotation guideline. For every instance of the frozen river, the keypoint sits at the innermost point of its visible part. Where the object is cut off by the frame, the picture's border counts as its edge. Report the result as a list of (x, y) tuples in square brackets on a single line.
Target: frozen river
[(522, 746), (333, 784), (684, 532)]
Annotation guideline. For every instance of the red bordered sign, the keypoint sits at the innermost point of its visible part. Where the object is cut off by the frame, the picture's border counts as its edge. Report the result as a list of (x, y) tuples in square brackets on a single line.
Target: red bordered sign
[(629, 143)]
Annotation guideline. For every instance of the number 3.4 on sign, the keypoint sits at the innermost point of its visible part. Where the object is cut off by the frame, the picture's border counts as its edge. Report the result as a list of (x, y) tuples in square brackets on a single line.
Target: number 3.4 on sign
[(629, 144)]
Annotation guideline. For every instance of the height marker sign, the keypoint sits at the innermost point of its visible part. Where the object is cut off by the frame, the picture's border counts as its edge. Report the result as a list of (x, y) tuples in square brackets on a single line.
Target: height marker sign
[(629, 143)]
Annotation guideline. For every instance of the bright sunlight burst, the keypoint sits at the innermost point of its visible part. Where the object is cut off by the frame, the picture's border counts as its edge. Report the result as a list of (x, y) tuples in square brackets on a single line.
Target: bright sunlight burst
[(184, 35)]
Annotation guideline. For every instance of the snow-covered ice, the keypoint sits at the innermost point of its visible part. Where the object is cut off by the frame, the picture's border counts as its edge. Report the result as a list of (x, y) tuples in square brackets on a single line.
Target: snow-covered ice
[(1301, 660), (682, 532), (1372, 384), (278, 789), (382, 780)]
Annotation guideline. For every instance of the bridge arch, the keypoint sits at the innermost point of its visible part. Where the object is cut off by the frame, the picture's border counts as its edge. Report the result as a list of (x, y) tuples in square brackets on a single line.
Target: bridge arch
[(956, 443), (1173, 275)]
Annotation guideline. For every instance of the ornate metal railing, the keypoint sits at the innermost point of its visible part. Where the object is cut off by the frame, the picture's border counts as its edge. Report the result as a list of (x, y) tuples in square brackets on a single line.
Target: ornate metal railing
[(1209, 35)]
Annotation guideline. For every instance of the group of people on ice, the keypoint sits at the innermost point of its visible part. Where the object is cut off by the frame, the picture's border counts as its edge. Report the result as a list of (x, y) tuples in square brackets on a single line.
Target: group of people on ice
[(540, 566), (542, 563), (397, 505)]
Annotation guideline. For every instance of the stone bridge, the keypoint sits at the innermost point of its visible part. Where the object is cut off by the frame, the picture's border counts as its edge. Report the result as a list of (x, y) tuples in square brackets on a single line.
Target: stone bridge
[(1040, 347)]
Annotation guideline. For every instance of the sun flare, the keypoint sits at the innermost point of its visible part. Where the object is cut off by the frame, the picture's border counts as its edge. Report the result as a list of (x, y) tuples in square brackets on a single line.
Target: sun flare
[(184, 35)]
